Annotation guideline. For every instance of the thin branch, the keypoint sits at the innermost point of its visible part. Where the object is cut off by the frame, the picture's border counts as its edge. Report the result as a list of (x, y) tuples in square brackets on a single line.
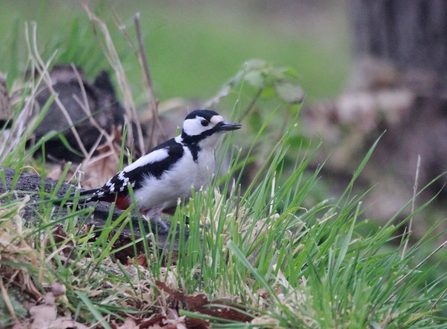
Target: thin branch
[(8, 303), (148, 79), (435, 305), (442, 245), (43, 70), (238, 201), (84, 105), (413, 202), (252, 103), (112, 56)]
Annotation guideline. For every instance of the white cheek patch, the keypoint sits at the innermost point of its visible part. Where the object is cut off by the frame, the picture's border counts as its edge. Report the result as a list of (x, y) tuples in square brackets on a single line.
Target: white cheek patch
[(215, 119), (193, 127)]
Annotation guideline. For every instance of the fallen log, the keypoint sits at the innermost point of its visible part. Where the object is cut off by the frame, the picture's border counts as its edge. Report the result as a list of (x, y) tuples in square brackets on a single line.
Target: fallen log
[(34, 186)]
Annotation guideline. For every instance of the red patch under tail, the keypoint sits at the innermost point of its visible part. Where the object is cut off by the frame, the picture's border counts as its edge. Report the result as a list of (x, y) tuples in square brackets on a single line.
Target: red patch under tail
[(120, 200)]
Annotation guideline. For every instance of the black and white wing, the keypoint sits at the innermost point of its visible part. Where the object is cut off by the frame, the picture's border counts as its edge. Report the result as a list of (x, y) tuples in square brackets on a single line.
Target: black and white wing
[(153, 164)]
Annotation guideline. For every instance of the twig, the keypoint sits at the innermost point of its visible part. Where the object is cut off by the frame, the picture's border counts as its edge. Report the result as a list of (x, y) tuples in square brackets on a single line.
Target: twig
[(238, 201), (84, 105), (438, 300), (252, 103), (413, 202), (442, 245), (122, 27), (8, 303), (148, 79), (142, 59), (43, 70), (19, 125), (111, 54)]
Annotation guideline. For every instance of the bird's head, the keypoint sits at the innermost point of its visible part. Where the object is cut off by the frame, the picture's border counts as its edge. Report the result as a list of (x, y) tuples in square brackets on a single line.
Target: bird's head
[(205, 127)]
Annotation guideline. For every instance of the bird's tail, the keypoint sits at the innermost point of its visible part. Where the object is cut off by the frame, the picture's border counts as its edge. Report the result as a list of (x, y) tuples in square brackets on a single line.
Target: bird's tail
[(83, 196), (86, 193)]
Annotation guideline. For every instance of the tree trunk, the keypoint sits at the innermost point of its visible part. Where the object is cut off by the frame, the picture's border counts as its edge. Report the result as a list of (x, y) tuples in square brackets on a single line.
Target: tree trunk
[(410, 33), (398, 89)]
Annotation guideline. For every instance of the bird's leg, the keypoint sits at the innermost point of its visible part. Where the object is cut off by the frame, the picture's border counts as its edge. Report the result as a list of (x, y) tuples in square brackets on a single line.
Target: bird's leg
[(161, 226)]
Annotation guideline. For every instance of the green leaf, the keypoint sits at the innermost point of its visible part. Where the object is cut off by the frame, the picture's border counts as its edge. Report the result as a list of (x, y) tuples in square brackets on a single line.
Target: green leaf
[(268, 92), (255, 64), (289, 93), (255, 79)]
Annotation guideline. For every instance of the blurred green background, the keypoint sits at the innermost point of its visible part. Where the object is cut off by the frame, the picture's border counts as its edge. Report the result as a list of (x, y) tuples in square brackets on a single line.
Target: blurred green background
[(193, 46)]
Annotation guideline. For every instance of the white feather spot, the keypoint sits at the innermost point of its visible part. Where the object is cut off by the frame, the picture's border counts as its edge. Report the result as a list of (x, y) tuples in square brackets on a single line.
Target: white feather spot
[(152, 157)]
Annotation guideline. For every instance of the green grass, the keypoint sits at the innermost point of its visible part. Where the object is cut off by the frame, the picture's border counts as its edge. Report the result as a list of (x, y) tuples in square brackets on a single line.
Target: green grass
[(266, 249), (285, 264)]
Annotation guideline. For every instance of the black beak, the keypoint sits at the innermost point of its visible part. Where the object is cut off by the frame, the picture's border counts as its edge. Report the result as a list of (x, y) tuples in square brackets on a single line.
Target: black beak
[(227, 126)]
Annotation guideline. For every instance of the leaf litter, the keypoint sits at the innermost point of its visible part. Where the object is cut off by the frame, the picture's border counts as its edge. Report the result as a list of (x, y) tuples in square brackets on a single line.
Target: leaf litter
[(48, 306)]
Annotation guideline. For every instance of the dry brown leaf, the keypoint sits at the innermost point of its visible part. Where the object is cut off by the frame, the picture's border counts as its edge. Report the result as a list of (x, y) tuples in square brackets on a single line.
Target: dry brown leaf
[(45, 315), (197, 323), (97, 169), (175, 325), (67, 323), (222, 308), (102, 166), (172, 324), (172, 314), (25, 324), (267, 320), (161, 322), (129, 324), (62, 238), (141, 260), (15, 249), (149, 324), (42, 316)]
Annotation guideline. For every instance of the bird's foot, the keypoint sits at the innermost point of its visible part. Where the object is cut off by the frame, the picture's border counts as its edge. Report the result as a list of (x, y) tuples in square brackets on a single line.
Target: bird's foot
[(159, 225)]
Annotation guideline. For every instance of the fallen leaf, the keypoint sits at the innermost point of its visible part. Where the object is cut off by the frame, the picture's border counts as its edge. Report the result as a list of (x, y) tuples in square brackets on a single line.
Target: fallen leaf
[(67, 323), (141, 260), (161, 322), (175, 324), (152, 322), (129, 324), (221, 308), (42, 316), (22, 325), (192, 323), (266, 320), (102, 166), (62, 238)]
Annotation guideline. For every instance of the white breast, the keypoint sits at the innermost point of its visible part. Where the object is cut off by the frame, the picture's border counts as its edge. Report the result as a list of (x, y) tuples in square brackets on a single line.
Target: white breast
[(177, 183)]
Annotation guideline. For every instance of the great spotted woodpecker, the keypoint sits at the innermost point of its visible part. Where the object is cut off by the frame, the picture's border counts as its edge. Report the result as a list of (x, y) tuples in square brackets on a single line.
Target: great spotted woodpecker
[(168, 172)]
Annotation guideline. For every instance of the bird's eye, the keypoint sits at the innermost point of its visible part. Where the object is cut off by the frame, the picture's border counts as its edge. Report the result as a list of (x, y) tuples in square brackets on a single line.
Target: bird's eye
[(204, 123)]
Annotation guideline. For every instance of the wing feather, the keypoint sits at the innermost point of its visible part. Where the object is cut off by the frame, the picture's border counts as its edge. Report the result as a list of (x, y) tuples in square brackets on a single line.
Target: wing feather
[(155, 163)]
